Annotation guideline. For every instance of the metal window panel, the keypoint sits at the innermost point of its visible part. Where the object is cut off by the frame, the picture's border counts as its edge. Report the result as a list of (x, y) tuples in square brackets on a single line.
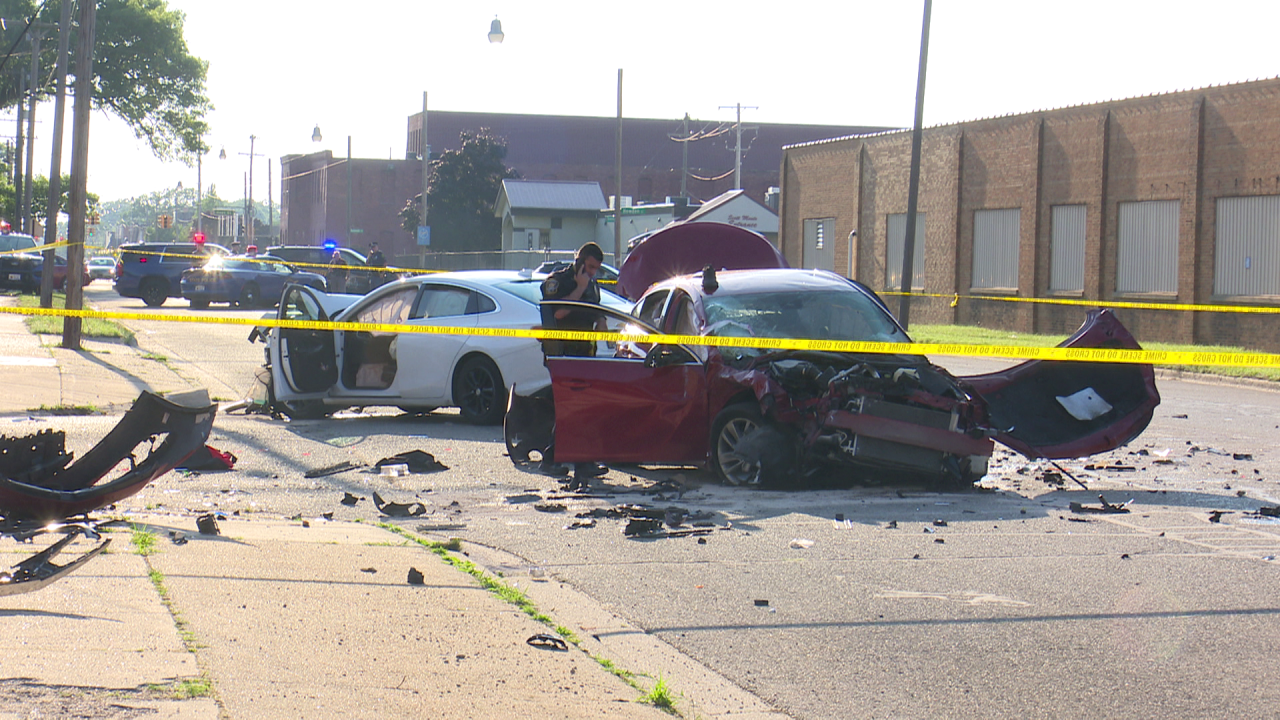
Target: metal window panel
[(1147, 253), (996, 236), (1066, 248), (897, 236), (1247, 246), (819, 244)]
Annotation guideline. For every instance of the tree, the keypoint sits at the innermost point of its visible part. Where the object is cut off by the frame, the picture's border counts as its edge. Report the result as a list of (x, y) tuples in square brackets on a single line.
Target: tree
[(460, 193), (144, 73)]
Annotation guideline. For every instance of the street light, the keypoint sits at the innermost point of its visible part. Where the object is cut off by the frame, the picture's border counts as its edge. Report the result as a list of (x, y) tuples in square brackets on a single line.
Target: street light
[(495, 30)]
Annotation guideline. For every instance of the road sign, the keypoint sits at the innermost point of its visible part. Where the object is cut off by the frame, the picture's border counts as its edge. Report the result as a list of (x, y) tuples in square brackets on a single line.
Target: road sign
[(424, 235)]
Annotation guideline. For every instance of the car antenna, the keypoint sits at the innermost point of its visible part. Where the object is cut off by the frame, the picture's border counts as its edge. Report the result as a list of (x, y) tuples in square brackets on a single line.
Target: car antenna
[(709, 282)]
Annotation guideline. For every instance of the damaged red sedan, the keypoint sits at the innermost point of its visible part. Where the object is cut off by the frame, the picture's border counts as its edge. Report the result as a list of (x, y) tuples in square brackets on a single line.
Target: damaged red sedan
[(757, 416)]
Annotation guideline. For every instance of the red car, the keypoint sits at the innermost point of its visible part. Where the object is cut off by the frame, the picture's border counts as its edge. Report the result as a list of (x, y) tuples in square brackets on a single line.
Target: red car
[(774, 416)]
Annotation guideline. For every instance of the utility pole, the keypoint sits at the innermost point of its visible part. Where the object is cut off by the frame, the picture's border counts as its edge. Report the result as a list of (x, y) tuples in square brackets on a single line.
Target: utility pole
[(423, 226), (249, 200), (684, 160), (79, 173), (271, 208), (28, 221), (617, 167), (737, 159), (55, 161), (913, 185), (19, 148)]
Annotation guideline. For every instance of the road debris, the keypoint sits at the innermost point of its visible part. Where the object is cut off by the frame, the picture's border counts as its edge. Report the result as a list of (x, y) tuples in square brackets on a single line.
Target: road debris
[(349, 500), (547, 642), (801, 544), (550, 507), (418, 461), (416, 577), (1106, 507), (207, 525), (326, 471), (1215, 516), (391, 509)]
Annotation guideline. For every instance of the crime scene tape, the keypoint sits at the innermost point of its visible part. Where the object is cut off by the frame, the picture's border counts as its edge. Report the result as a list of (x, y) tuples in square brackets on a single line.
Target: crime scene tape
[(1103, 355), (38, 248), (1182, 307)]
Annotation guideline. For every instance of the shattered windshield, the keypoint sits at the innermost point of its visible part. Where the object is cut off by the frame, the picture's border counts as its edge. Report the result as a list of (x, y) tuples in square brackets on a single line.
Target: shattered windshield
[(817, 315)]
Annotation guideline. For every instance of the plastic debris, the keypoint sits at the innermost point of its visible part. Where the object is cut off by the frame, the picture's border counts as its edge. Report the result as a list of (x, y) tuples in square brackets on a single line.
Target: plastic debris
[(801, 544)]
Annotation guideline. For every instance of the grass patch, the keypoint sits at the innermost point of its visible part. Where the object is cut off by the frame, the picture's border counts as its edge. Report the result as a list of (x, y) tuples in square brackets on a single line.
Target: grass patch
[(144, 542), (973, 335), (89, 327), (155, 356), (67, 410), (184, 689), (660, 696)]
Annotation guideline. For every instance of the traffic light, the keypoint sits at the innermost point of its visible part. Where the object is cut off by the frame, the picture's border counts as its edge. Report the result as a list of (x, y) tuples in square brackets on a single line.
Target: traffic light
[(166, 221)]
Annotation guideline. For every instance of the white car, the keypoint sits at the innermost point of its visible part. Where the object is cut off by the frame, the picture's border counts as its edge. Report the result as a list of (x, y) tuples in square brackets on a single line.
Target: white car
[(101, 268), (315, 372)]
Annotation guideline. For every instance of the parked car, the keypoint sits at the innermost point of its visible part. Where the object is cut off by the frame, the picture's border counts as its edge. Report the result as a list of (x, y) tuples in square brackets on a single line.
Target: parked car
[(101, 268), (153, 271), (318, 371), (22, 264), (247, 282), (607, 273), (316, 259), (772, 416)]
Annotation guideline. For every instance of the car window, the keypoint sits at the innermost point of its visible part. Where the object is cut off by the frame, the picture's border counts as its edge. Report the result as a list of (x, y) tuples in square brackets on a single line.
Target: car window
[(392, 309), (299, 305), (480, 303), (178, 254), (651, 306), (278, 268), (822, 315), (443, 301), (9, 243)]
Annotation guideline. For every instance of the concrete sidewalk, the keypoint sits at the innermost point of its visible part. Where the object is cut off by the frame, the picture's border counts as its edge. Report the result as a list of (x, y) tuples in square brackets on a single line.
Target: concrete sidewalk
[(286, 620), (106, 375)]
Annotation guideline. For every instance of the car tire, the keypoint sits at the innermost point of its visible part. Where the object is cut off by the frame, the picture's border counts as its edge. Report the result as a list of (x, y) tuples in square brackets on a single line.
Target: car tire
[(154, 291), (250, 296), (479, 392), (727, 431), (746, 450), (199, 304)]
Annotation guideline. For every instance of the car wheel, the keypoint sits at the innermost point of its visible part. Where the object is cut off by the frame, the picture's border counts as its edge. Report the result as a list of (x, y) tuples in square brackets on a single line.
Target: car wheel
[(478, 391), (199, 304), (154, 292), (745, 450), (249, 296)]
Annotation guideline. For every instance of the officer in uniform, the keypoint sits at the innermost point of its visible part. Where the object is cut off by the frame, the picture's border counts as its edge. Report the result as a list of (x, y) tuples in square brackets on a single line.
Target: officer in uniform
[(576, 282)]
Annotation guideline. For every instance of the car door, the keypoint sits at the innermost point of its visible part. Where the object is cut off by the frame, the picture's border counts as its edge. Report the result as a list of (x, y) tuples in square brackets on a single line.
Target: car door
[(629, 409), (1057, 409), (303, 361), (426, 360)]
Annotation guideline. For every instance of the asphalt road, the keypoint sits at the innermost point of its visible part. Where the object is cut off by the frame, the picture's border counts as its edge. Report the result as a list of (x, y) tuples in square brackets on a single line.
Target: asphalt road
[(995, 603)]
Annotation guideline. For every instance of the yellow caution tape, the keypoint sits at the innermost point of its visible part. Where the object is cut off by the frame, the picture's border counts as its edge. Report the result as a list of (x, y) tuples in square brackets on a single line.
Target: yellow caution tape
[(1107, 355), (955, 299), (38, 248)]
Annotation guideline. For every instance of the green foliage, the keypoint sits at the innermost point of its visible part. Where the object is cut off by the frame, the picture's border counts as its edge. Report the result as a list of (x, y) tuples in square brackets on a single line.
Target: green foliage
[(460, 195), (143, 71), (144, 542)]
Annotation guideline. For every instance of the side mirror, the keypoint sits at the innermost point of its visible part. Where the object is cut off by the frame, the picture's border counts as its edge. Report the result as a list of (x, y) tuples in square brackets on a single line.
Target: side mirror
[(664, 355)]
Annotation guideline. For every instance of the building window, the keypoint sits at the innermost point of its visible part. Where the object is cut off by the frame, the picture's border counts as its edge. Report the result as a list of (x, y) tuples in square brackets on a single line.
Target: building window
[(1066, 248), (1247, 250), (819, 250), (894, 255), (996, 235), (557, 223), (1147, 257)]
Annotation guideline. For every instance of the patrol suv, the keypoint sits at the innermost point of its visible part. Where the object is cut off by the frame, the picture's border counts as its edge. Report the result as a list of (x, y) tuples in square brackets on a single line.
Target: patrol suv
[(153, 271)]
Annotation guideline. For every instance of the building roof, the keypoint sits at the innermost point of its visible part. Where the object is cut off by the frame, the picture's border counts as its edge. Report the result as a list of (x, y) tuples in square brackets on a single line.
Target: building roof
[(551, 195), (718, 202)]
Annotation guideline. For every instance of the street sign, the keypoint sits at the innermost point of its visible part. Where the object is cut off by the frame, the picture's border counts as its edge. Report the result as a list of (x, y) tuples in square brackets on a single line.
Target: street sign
[(424, 235)]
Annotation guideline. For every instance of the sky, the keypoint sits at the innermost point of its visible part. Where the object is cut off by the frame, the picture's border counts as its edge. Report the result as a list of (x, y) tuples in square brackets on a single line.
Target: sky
[(278, 68)]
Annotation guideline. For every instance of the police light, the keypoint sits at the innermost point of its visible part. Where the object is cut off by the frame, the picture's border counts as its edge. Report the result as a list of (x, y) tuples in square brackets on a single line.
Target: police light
[(198, 238), (331, 245)]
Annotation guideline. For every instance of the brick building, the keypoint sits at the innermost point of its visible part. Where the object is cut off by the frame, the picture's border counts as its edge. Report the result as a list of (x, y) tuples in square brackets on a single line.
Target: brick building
[(313, 194), (1170, 198)]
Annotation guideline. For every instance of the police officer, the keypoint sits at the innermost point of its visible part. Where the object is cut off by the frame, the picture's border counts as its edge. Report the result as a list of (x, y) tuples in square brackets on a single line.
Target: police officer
[(336, 278), (577, 282)]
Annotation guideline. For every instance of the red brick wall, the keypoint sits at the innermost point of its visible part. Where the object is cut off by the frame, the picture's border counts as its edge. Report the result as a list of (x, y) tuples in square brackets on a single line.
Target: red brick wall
[(1193, 146)]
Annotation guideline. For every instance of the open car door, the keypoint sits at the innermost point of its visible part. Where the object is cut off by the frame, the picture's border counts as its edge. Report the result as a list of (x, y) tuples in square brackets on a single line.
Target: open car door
[(304, 362), (629, 407), (1056, 409)]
